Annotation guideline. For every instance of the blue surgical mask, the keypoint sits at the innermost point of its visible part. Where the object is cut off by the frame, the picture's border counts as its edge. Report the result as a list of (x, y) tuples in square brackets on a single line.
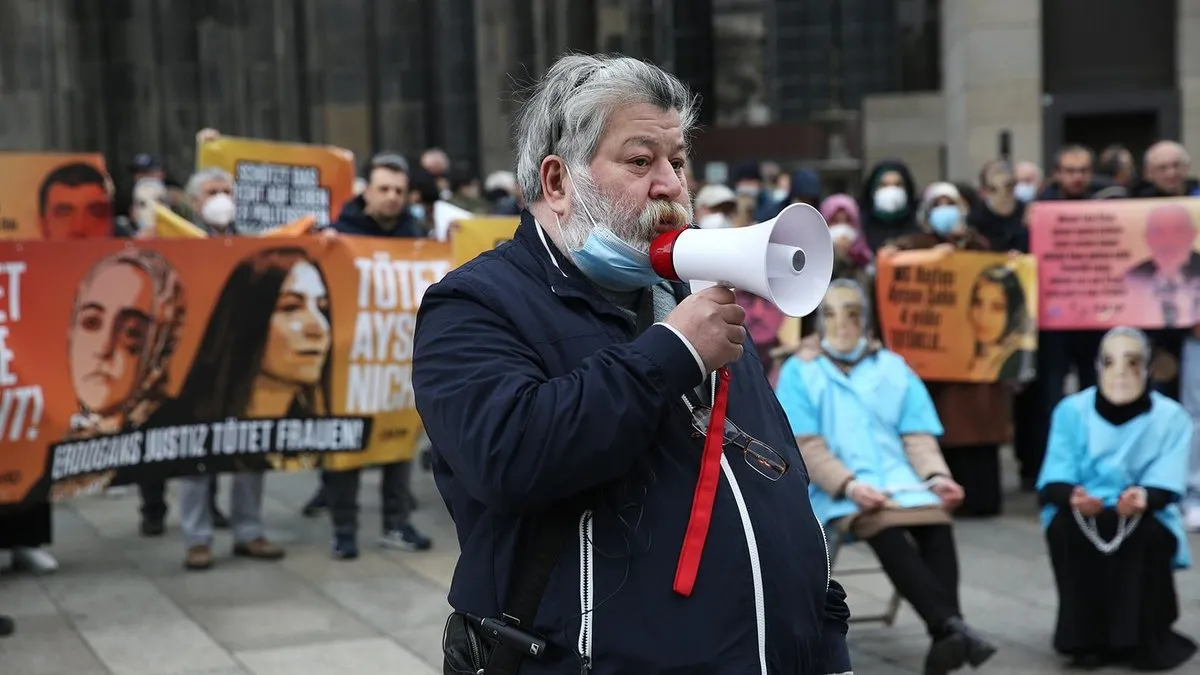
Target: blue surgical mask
[(1025, 192), (417, 211), (851, 356), (945, 218), (610, 261)]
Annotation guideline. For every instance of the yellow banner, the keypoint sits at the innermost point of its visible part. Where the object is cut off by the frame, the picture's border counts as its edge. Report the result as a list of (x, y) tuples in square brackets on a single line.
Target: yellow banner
[(276, 183), (469, 238), (962, 316)]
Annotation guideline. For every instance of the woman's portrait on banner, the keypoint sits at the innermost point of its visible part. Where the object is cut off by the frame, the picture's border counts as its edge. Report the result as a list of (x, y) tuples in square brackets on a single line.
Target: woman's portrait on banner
[(1002, 327)]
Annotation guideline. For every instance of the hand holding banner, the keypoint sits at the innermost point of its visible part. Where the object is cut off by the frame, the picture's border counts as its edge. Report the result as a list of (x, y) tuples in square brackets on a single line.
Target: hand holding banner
[(171, 225), (961, 316)]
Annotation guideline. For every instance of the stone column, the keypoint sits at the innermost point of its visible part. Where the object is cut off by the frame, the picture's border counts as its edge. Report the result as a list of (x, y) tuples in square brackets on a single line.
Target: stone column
[(992, 80), (1188, 66)]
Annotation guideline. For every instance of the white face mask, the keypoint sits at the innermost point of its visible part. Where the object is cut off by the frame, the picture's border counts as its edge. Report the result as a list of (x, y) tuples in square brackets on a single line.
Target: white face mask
[(1026, 192), (714, 221), (219, 210), (890, 199), (843, 231)]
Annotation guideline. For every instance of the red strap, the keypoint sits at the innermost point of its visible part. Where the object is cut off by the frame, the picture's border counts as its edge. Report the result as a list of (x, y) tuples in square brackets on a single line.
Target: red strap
[(706, 491)]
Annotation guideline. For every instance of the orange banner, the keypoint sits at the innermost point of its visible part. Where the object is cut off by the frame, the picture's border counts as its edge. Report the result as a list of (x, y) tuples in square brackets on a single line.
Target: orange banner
[(1128, 262), (54, 196), (961, 316), (277, 183), (121, 360)]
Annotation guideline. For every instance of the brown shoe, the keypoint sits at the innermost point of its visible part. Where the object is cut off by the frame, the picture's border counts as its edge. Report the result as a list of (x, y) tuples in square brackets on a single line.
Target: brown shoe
[(198, 558), (260, 549)]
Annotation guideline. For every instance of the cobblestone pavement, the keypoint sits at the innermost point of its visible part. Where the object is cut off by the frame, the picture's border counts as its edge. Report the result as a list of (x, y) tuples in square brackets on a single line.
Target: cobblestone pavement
[(123, 605)]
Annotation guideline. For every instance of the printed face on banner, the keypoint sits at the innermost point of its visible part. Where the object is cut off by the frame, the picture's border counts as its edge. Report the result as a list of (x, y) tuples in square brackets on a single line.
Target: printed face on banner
[(842, 314), (108, 336), (1122, 369), (990, 315), (77, 211), (1169, 236), (299, 335)]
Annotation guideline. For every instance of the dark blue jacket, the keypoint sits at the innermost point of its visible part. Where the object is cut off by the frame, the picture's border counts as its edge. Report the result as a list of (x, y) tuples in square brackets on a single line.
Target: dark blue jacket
[(354, 220), (533, 389)]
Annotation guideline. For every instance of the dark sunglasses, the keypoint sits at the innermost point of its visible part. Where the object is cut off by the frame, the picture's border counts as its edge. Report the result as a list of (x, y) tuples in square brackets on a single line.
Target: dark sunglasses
[(768, 463)]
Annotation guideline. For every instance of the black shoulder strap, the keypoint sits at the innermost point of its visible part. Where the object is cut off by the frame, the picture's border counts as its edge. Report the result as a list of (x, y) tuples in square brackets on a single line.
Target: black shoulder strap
[(539, 545)]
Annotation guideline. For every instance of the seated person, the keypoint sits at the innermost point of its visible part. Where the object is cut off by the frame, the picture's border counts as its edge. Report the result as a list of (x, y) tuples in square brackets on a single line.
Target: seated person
[(866, 427), (1115, 468)]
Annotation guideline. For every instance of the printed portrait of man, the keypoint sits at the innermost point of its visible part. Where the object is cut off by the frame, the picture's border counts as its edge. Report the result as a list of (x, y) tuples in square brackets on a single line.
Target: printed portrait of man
[(1172, 272), (74, 203)]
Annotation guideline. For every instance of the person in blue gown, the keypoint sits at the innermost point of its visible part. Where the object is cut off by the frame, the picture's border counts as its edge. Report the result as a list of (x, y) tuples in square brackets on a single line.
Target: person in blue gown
[(867, 430), (1115, 470)]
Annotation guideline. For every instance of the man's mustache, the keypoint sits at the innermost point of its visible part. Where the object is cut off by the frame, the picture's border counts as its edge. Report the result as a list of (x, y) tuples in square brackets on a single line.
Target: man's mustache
[(663, 212)]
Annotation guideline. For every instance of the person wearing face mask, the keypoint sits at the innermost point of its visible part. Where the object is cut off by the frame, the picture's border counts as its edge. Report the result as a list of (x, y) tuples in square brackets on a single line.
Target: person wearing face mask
[(1110, 486), (898, 496), (715, 205), (1028, 177), (888, 203), (210, 197), (1000, 216), (975, 414), (581, 412)]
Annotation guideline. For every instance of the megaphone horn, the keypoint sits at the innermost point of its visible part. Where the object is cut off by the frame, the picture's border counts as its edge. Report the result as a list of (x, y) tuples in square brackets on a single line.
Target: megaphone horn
[(787, 260)]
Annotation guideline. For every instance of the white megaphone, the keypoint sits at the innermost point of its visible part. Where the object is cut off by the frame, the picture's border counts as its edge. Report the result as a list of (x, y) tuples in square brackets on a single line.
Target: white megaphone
[(787, 260)]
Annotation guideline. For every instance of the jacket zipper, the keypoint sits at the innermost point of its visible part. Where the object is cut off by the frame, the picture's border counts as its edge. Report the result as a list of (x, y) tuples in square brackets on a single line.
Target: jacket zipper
[(586, 590), (760, 604), (473, 645)]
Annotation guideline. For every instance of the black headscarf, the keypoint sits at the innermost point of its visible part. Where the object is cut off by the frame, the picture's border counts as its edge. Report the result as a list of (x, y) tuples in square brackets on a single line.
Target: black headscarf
[(881, 228)]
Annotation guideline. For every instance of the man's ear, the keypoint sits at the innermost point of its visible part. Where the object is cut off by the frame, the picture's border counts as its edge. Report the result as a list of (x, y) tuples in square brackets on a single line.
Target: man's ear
[(553, 176)]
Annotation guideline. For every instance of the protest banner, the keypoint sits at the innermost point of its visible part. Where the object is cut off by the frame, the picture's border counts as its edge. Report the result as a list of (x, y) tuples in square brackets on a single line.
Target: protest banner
[(1105, 263), (277, 183), (124, 360), (54, 196), (961, 316), (470, 237), (171, 225)]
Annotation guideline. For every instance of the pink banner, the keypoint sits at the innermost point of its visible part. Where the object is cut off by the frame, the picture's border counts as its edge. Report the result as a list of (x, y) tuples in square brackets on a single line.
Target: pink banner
[(1131, 262)]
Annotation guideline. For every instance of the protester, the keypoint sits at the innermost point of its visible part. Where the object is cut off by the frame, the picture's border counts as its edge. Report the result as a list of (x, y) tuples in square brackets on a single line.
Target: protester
[(380, 211), (1113, 473), (804, 187), (889, 203), (975, 415), (564, 387), (466, 194), (852, 255), (1029, 181), (1165, 168), (500, 190), (875, 466), (716, 206), (435, 163), (1000, 215), (146, 193), (210, 198), (1115, 166)]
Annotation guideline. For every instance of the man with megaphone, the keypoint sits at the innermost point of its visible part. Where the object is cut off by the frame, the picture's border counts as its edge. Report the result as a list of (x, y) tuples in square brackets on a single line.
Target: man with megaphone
[(627, 492)]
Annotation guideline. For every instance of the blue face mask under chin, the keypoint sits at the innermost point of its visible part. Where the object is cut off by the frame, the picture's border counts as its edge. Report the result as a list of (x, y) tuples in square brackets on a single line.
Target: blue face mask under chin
[(608, 260), (851, 356)]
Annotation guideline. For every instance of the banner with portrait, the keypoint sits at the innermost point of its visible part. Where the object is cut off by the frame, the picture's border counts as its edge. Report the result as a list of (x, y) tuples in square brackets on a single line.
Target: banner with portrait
[(124, 360), (54, 196), (960, 316), (472, 236), (1128, 262), (276, 183)]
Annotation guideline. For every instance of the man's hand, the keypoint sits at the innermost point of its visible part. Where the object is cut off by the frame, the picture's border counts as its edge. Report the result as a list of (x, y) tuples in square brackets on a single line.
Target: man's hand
[(1132, 502), (712, 322), (205, 135), (886, 252), (950, 492), (868, 498), (945, 248), (1084, 503)]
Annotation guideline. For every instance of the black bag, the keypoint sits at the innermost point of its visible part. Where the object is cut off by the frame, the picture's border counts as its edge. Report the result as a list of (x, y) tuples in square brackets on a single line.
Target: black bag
[(475, 646)]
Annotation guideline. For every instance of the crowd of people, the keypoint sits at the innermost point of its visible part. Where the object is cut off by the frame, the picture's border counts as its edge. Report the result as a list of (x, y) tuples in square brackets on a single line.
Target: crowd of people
[(564, 340)]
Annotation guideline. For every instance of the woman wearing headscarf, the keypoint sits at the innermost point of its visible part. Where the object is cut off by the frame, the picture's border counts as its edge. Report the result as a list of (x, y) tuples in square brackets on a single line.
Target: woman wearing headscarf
[(868, 432), (1114, 472), (888, 203), (975, 415)]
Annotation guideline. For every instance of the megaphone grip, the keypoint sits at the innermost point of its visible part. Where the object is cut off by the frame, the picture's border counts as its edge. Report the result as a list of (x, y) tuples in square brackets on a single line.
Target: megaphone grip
[(662, 254)]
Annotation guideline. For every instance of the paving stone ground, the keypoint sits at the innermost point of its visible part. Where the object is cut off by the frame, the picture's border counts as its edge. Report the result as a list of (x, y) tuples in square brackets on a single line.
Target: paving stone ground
[(123, 605)]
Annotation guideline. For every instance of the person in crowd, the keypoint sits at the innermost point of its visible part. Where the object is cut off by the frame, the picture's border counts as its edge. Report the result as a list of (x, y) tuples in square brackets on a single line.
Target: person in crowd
[(1165, 167), (716, 206), (466, 193), (26, 533), (1114, 472), (1000, 215), (381, 211), (804, 188), (970, 194), (889, 203), (565, 386), (751, 191), (1116, 168), (435, 163), (1059, 352), (975, 415), (875, 468), (264, 355), (1029, 181), (146, 193), (423, 193), (852, 256), (501, 192), (210, 200)]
